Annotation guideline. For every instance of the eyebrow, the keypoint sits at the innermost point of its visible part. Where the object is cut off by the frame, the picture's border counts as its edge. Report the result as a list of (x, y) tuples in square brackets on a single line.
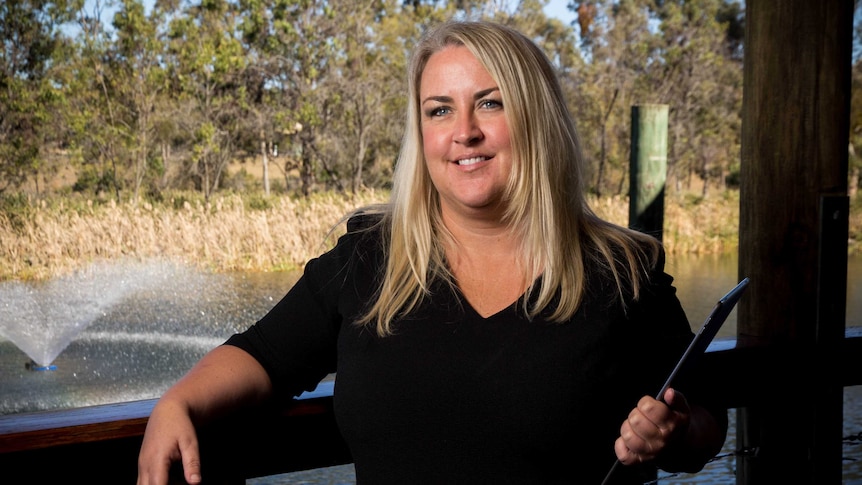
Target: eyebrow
[(446, 99)]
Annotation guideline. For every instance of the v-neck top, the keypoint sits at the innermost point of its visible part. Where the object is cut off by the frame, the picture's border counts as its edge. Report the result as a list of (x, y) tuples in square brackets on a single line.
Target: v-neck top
[(455, 398)]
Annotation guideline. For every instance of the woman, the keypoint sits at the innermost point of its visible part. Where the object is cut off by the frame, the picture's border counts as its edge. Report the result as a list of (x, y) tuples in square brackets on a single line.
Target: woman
[(485, 326)]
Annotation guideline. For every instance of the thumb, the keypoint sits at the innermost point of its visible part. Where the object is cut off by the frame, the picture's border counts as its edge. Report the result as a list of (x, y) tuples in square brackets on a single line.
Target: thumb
[(676, 400)]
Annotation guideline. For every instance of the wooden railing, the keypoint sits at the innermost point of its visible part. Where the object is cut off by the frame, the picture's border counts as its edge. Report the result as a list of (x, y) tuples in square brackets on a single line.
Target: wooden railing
[(100, 444)]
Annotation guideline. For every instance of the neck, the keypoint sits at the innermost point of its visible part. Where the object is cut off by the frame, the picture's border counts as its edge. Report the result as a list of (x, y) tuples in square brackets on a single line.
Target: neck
[(484, 257)]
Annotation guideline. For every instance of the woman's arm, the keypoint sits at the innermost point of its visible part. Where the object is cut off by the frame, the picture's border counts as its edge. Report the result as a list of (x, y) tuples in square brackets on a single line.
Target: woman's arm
[(225, 379)]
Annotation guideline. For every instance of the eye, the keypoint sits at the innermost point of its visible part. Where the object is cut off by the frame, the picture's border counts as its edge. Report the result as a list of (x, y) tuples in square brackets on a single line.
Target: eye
[(490, 104), (437, 111)]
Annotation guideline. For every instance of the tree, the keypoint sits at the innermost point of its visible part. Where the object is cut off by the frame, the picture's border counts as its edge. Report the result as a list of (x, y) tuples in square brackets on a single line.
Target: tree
[(32, 41), (681, 53), (293, 42), (701, 79), (255, 28), (91, 117), (855, 148), (167, 99), (619, 53), (139, 79), (364, 91), (207, 64)]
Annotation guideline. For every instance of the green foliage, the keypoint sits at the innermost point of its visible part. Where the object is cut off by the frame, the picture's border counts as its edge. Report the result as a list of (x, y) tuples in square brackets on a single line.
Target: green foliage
[(258, 201), (690, 199), (733, 178), (15, 208), (240, 181), (162, 99), (32, 45), (92, 181), (179, 200)]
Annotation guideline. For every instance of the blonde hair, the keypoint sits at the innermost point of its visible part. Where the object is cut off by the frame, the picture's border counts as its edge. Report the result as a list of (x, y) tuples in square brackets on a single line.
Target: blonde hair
[(547, 208)]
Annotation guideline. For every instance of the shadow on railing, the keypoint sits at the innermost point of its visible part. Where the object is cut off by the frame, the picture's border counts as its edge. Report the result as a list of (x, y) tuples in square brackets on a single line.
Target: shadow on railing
[(99, 444)]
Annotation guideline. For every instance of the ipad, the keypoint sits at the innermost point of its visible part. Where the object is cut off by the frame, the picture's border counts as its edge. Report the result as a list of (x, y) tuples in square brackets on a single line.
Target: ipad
[(699, 343), (707, 332)]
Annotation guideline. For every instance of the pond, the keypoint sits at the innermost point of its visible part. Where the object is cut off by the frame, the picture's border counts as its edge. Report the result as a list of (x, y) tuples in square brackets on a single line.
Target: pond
[(134, 344)]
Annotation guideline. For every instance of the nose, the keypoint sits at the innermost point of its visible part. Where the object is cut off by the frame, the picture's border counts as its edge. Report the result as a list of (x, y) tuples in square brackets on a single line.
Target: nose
[(467, 130)]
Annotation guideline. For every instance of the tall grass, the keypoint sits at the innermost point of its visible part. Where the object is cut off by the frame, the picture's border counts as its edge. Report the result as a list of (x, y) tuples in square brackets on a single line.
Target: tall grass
[(691, 224), (40, 239), (48, 237)]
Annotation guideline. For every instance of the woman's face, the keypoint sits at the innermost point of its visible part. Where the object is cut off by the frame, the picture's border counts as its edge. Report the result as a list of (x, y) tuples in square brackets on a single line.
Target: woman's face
[(465, 135)]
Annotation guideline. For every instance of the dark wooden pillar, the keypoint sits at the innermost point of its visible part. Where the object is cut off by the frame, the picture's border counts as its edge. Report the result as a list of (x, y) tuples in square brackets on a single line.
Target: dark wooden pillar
[(648, 164), (796, 103)]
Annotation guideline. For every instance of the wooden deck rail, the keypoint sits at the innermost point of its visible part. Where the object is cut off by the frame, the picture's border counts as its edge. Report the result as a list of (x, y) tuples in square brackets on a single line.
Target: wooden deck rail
[(99, 444)]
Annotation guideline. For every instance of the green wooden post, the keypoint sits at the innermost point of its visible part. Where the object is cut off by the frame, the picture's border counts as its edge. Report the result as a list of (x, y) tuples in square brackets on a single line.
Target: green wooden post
[(648, 169)]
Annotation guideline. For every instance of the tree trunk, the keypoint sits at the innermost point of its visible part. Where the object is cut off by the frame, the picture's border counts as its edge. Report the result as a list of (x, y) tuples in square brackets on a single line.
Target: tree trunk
[(265, 159)]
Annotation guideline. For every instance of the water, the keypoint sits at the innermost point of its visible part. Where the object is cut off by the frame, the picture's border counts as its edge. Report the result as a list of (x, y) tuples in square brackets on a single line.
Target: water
[(120, 348), (138, 337), (43, 318)]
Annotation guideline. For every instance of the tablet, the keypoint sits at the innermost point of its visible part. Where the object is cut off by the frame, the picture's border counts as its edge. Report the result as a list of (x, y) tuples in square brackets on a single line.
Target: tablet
[(699, 343)]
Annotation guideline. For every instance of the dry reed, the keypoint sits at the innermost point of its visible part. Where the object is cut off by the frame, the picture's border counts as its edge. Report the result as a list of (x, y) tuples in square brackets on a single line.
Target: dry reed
[(691, 225), (223, 235), (44, 241)]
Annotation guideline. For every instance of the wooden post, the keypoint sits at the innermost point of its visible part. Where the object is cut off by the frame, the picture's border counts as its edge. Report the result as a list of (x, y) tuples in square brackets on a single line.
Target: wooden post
[(829, 332), (795, 122), (648, 168)]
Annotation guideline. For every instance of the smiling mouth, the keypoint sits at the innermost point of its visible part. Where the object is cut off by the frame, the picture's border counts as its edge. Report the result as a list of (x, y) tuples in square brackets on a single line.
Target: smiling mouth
[(471, 161)]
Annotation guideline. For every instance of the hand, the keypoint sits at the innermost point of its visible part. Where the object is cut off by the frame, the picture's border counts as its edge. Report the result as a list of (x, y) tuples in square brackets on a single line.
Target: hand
[(170, 437), (651, 427)]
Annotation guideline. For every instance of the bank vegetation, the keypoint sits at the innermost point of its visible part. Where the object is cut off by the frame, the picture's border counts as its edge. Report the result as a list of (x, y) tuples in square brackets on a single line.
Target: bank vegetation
[(46, 237), (226, 132), (42, 238)]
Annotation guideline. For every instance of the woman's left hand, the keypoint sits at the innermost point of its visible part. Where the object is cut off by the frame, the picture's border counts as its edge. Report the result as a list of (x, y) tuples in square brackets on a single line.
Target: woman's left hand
[(651, 427)]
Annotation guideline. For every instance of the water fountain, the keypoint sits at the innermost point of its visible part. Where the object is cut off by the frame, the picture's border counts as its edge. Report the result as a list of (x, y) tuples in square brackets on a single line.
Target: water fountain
[(117, 331), (42, 318)]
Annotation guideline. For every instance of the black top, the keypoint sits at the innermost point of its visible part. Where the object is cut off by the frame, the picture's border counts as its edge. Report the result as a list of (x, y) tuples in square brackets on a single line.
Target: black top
[(454, 398)]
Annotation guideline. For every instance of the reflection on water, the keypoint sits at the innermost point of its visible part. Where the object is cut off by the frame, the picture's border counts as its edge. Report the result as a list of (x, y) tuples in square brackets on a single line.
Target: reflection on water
[(701, 280)]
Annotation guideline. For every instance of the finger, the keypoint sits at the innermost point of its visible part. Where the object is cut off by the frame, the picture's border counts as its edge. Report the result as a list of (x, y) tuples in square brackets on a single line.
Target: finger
[(191, 463), (153, 475), (647, 429), (649, 418), (624, 454), (631, 449), (676, 401), (637, 433), (657, 413)]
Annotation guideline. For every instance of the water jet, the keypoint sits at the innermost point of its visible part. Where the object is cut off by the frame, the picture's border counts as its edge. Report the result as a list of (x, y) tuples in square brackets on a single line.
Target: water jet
[(42, 318), (119, 331)]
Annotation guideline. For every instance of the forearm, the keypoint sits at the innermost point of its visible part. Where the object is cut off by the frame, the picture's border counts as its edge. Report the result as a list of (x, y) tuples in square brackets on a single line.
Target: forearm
[(225, 379)]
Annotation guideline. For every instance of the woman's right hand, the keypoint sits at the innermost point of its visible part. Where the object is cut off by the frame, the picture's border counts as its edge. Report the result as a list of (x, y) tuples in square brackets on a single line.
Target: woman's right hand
[(170, 437), (224, 380)]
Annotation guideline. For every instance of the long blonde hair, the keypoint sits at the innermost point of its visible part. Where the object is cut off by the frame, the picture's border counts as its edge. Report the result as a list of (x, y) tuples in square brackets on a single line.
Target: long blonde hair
[(547, 209)]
